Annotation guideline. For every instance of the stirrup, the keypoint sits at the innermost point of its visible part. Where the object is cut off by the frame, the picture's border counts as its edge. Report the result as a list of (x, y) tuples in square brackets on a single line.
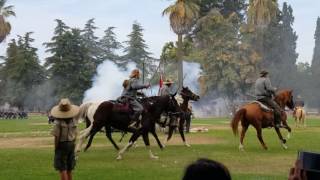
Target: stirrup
[(135, 125), (278, 125)]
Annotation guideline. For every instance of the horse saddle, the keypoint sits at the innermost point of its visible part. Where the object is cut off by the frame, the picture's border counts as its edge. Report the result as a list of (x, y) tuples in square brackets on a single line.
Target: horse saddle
[(263, 106), (121, 107)]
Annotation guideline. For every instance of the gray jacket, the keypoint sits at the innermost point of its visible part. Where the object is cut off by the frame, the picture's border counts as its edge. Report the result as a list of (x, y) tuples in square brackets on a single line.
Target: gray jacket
[(133, 87), (263, 88)]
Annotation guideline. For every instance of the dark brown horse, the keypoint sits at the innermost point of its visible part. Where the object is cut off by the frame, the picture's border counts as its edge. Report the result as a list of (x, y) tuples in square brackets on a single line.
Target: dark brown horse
[(98, 115), (253, 114), (186, 95)]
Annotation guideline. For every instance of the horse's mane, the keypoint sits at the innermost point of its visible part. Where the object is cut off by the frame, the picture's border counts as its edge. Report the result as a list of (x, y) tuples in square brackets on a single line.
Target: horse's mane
[(282, 96), (282, 91)]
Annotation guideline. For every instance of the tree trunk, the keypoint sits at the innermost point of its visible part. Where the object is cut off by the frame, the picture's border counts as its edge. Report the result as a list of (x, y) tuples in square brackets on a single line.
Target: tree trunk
[(180, 62)]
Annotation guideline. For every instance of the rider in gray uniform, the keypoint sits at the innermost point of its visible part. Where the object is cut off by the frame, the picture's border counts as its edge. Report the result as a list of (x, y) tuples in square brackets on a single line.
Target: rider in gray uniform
[(166, 89), (130, 92), (264, 92)]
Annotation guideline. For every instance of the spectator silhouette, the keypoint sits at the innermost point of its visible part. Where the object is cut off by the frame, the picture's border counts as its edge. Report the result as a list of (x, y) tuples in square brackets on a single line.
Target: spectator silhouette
[(206, 169)]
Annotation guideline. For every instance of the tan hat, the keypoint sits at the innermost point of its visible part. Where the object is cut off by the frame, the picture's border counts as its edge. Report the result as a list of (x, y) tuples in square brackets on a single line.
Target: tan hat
[(64, 109), (135, 73), (264, 72), (168, 81)]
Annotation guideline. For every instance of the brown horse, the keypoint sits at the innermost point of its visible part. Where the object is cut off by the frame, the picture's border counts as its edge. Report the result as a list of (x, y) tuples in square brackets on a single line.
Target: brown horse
[(186, 95), (106, 114), (253, 114)]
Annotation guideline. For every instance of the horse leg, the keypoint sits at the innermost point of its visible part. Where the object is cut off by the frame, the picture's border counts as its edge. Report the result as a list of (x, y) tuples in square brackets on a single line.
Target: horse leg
[(109, 136), (92, 134), (243, 133), (283, 141), (182, 135), (259, 135), (170, 133), (181, 128), (188, 122), (147, 143), (84, 134), (153, 132), (304, 119), (286, 126), (134, 137)]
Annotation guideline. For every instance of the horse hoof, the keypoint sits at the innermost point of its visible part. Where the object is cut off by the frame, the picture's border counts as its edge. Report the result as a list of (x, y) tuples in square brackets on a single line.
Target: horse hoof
[(288, 136), (119, 157), (284, 146), (154, 157), (186, 144)]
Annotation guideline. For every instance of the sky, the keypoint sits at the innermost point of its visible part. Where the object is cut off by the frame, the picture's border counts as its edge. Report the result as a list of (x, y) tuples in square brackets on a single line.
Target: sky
[(38, 16)]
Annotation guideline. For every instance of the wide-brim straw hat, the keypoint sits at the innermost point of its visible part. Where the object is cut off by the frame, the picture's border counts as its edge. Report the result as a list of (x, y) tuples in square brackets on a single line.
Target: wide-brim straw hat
[(168, 81), (64, 109), (264, 72)]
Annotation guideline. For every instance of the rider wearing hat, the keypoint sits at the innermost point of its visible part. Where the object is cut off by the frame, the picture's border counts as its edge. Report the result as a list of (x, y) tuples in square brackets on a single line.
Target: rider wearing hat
[(299, 102), (166, 89), (130, 91), (264, 92)]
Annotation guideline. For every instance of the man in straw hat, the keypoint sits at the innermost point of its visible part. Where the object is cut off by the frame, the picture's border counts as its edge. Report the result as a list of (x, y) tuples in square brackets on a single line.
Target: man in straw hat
[(64, 132), (166, 89), (130, 91), (264, 92)]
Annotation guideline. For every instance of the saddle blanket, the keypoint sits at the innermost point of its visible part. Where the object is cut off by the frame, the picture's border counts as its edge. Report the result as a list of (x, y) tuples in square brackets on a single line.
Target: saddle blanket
[(263, 106)]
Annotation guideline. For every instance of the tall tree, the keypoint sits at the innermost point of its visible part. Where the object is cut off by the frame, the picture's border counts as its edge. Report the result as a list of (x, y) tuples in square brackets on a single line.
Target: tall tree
[(5, 12), (136, 49), (182, 16), (91, 42), (315, 67), (316, 51), (227, 65), (261, 12), (70, 67), (22, 72), (284, 67), (109, 45)]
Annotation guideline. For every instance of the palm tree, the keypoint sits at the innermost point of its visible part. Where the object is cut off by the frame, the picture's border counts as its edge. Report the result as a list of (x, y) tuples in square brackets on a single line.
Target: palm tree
[(261, 12), (182, 16), (5, 12)]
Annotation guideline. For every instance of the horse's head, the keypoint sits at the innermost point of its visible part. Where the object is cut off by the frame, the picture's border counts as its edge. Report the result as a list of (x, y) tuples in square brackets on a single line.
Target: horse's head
[(285, 98), (186, 93)]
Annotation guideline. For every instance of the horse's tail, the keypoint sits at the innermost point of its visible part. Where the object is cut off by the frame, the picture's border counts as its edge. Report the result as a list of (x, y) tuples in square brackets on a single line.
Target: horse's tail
[(82, 115), (236, 119)]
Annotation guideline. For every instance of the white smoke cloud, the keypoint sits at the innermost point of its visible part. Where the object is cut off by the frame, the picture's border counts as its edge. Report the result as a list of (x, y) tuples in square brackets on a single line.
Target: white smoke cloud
[(191, 73), (107, 84)]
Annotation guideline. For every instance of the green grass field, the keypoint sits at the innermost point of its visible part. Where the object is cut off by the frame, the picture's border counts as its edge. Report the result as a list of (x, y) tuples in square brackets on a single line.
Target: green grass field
[(26, 153)]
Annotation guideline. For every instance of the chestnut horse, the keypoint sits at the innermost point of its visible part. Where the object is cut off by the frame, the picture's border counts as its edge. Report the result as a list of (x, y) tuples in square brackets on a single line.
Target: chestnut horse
[(253, 114), (299, 115), (186, 95)]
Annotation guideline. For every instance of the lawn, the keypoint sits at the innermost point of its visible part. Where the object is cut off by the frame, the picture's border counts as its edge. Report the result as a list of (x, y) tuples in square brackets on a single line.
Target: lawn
[(26, 152)]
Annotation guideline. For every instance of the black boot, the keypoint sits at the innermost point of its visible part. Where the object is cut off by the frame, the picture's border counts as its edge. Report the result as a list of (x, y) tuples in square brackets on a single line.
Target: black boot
[(277, 122)]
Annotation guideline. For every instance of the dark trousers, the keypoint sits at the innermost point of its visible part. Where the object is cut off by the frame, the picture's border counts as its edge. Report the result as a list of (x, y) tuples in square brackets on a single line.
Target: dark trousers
[(276, 108)]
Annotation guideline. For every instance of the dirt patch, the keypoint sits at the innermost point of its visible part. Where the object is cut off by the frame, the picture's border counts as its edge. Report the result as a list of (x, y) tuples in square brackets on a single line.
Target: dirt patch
[(41, 124), (212, 127), (30, 142), (176, 140)]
